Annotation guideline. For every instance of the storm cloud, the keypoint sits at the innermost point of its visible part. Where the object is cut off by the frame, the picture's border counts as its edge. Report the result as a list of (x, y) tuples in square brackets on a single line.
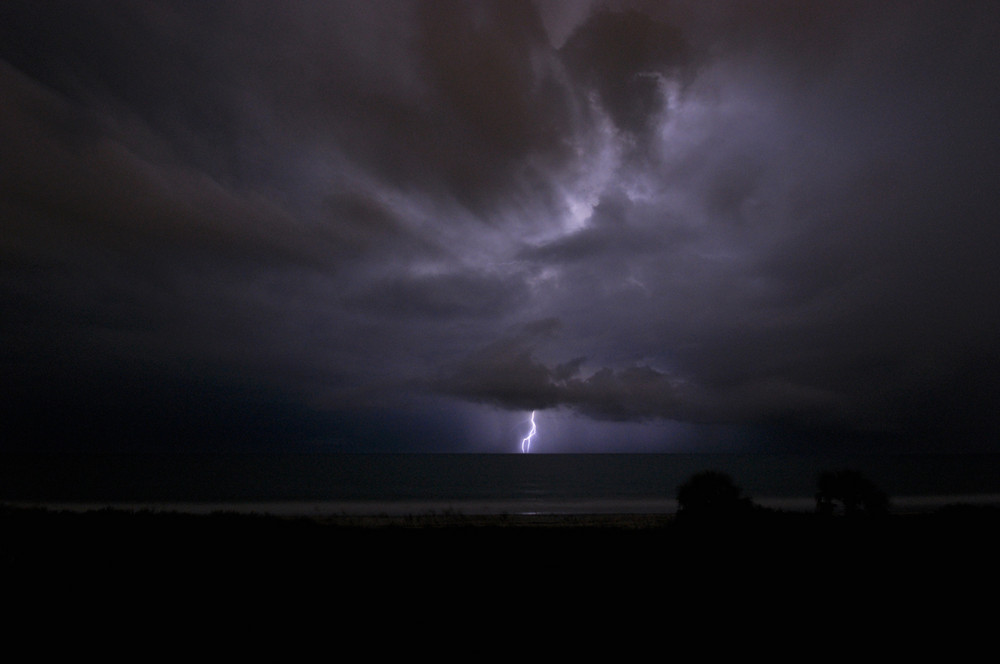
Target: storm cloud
[(394, 224)]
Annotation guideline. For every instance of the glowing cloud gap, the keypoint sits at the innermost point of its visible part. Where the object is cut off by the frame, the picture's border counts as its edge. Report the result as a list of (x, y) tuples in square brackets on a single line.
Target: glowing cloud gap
[(526, 441)]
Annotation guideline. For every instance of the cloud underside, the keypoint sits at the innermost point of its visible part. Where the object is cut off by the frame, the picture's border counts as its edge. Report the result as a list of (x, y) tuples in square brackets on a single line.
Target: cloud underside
[(518, 381), (758, 213), (922, 402)]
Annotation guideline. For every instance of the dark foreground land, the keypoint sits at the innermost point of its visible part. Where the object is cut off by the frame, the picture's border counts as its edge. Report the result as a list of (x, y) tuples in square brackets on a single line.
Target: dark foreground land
[(147, 585), (450, 569), (147, 543)]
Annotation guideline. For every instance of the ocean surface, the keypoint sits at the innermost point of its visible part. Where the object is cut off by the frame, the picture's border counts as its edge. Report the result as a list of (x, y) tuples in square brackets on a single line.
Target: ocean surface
[(469, 483)]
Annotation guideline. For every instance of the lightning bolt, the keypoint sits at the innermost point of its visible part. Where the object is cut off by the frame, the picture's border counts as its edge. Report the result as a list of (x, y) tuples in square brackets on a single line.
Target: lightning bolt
[(526, 441)]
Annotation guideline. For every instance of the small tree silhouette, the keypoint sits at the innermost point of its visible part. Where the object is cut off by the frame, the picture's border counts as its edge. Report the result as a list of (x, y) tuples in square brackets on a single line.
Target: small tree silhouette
[(711, 494), (851, 492)]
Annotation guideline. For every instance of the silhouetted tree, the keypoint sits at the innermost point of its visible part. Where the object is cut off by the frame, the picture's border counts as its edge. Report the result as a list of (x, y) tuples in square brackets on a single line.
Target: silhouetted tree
[(852, 492), (711, 494)]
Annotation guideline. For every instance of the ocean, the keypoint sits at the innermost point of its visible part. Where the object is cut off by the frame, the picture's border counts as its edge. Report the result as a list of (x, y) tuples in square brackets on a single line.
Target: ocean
[(469, 483)]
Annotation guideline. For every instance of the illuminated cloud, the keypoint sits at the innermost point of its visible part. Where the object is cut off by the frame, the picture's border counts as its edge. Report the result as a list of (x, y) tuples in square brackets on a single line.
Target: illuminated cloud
[(382, 216)]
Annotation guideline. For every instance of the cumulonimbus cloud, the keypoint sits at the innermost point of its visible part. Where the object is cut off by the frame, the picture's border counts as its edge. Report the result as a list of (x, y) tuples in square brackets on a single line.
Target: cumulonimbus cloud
[(737, 212)]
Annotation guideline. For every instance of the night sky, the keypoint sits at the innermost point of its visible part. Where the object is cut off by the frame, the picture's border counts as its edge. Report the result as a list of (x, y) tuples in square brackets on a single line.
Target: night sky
[(404, 226)]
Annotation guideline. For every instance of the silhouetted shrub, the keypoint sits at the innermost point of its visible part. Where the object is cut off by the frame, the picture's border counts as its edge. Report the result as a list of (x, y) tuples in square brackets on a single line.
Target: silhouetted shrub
[(850, 493), (712, 495)]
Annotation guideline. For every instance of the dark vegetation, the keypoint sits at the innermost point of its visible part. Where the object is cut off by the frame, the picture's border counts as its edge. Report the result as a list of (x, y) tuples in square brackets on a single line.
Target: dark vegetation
[(712, 495), (851, 494)]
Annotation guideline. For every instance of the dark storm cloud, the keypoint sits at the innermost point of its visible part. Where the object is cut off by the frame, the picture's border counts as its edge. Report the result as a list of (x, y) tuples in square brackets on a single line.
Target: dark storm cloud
[(508, 373), (806, 257), (437, 296), (773, 213), (624, 57)]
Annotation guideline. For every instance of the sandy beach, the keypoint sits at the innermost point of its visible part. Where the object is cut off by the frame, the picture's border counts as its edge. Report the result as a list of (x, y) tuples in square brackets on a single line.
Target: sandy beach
[(32, 534)]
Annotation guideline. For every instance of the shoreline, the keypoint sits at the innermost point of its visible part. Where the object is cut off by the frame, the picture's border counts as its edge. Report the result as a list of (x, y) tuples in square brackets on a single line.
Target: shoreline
[(410, 508), (38, 544), (144, 561), (466, 512), (29, 525)]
